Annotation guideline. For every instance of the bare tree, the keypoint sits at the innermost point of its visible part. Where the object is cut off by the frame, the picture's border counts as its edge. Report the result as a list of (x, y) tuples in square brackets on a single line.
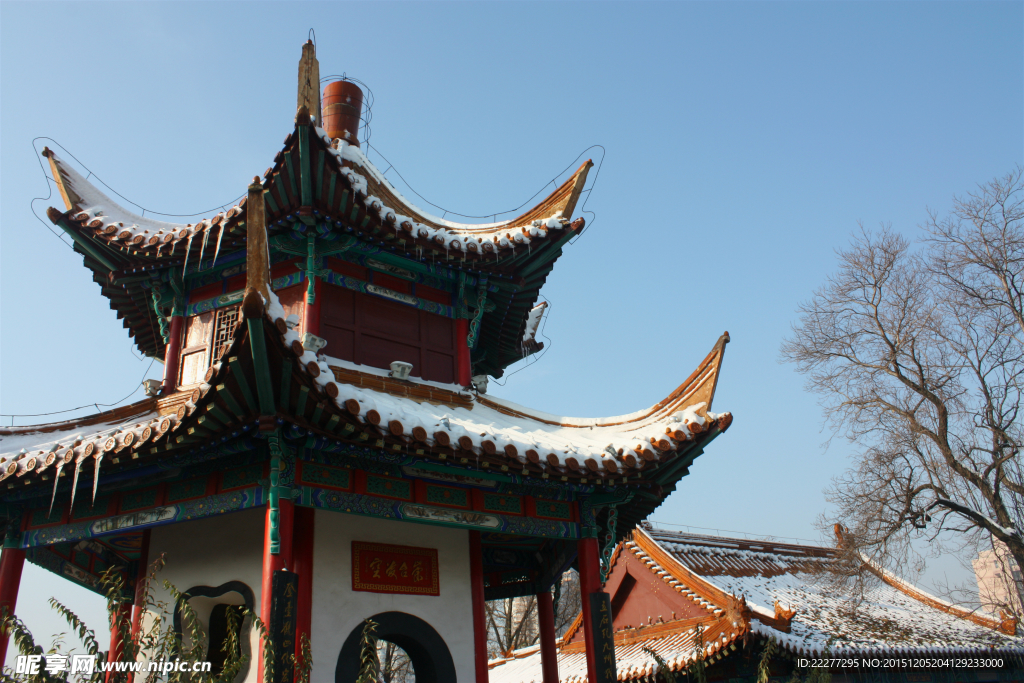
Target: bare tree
[(395, 665), (917, 353), (512, 622)]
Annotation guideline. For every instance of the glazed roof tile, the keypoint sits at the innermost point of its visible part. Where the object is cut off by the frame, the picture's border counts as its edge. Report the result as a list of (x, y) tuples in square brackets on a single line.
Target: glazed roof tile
[(772, 590), (892, 617)]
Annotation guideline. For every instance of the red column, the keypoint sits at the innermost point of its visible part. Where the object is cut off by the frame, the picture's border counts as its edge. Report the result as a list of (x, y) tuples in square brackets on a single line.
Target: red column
[(590, 582), (121, 614), (476, 587), (302, 556), (546, 621), (311, 312), (271, 562), (462, 350), (140, 582), (11, 563), (172, 356)]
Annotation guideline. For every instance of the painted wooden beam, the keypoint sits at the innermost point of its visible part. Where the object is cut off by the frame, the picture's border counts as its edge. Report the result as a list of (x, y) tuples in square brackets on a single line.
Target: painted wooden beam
[(261, 366)]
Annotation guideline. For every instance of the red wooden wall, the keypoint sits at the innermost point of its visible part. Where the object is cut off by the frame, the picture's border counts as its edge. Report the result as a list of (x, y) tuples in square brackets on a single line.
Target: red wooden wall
[(374, 331)]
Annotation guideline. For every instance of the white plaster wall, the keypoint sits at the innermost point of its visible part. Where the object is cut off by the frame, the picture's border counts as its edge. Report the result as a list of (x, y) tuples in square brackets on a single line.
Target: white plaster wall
[(211, 552), (337, 609)]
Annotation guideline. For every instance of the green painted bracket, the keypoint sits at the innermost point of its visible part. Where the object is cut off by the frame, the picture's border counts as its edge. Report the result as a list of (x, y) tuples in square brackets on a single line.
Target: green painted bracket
[(481, 306), (314, 267)]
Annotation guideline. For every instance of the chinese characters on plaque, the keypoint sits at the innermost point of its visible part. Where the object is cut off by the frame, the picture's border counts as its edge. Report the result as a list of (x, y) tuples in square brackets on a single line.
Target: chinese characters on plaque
[(604, 636), (283, 605), (380, 568)]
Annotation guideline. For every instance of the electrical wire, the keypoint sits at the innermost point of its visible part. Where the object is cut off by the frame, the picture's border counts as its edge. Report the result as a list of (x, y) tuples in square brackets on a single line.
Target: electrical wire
[(136, 204), (96, 405), (513, 210)]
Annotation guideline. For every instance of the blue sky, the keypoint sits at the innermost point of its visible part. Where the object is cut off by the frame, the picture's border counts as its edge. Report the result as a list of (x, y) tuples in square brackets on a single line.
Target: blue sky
[(744, 142)]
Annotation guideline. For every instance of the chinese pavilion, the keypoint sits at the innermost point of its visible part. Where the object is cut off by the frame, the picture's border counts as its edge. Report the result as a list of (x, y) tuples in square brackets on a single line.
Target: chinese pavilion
[(686, 596), (323, 418)]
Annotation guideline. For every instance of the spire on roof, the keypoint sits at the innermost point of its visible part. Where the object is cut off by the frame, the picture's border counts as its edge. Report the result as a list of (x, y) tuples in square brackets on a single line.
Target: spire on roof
[(309, 81)]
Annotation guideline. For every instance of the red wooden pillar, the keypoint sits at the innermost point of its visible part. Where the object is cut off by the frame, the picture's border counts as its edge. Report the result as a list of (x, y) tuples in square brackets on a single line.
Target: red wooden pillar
[(311, 311), (12, 561), (140, 585), (302, 556), (122, 613), (590, 582), (272, 562), (462, 350), (172, 356), (476, 581), (546, 621)]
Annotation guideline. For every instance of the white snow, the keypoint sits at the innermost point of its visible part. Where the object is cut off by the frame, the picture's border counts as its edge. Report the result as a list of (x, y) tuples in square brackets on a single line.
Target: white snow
[(502, 234), (533, 322), (98, 205), (484, 421)]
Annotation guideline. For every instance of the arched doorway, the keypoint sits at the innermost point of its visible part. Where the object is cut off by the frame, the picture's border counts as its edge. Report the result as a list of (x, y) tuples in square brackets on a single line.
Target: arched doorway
[(209, 604), (431, 659)]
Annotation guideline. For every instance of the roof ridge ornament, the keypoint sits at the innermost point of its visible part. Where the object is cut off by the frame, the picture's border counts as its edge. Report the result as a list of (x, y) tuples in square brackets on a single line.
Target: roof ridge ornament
[(309, 85), (257, 254)]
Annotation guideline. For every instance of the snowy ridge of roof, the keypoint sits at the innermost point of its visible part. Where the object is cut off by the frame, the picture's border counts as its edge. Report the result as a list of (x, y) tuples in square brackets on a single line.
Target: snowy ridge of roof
[(41, 442), (352, 153), (118, 225), (466, 237)]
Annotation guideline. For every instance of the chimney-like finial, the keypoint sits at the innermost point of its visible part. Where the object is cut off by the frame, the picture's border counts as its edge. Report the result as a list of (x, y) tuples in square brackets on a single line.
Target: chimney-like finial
[(257, 254), (343, 111), (309, 82)]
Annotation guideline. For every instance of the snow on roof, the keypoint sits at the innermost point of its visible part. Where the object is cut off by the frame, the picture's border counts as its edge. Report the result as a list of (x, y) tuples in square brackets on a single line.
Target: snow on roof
[(452, 235), (13, 441), (493, 425), (122, 227), (796, 578), (751, 574), (676, 647), (533, 322)]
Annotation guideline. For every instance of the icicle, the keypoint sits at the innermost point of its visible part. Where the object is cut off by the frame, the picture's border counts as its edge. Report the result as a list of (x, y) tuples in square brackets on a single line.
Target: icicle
[(217, 250), (56, 480), (74, 484), (188, 250), (202, 247), (96, 476)]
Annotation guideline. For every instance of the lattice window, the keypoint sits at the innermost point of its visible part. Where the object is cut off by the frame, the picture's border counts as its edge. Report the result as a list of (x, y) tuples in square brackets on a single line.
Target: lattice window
[(224, 329)]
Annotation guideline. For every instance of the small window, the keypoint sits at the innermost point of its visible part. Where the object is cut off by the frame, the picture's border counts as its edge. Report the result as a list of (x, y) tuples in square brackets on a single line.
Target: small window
[(207, 336), (224, 329)]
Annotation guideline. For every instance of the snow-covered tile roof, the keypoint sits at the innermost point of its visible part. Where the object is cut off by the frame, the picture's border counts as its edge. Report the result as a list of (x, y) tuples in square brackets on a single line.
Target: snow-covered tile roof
[(38, 449), (892, 617), (381, 197), (111, 223), (676, 643), (488, 425)]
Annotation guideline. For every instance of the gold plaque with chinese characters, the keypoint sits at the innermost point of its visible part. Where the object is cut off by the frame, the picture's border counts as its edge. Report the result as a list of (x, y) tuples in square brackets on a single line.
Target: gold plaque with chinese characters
[(380, 568)]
